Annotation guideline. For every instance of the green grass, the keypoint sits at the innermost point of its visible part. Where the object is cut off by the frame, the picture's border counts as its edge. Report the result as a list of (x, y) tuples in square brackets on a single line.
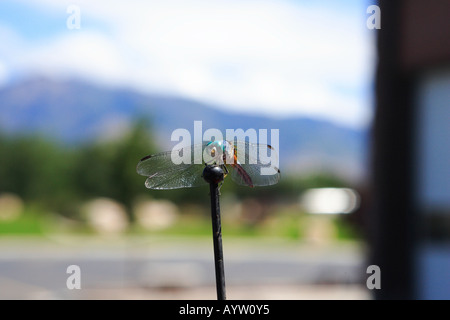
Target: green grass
[(346, 231), (29, 222), (286, 223)]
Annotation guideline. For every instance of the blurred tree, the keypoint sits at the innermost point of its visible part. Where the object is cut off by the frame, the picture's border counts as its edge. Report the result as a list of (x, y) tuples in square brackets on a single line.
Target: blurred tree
[(135, 145), (36, 169), (59, 177), (108, 169)]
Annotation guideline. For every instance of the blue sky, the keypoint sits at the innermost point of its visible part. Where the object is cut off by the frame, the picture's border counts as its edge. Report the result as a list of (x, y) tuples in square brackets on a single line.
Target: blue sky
[(279, 58)]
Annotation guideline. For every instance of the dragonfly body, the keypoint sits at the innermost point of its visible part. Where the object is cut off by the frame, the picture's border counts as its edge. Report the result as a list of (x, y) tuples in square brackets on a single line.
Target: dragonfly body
[(229, 156), (243, 158)]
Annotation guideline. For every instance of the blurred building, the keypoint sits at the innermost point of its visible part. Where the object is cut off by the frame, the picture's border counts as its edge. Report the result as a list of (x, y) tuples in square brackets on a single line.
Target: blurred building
[(410, 220)]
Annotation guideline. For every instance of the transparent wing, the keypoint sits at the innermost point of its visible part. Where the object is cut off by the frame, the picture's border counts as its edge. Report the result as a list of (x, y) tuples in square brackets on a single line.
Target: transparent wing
[(255, 164), (163, 173)]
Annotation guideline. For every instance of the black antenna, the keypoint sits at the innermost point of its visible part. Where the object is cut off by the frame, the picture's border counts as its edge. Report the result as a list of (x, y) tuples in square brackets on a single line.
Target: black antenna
[(214, 175)]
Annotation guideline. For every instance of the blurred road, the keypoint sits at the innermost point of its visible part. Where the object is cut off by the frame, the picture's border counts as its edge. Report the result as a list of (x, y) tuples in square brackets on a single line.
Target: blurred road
[(178, 268)]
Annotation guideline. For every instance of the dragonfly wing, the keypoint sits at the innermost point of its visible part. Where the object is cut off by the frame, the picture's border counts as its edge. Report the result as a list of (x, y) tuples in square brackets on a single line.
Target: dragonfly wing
[(162, 173), (252, 166), (250, 175)]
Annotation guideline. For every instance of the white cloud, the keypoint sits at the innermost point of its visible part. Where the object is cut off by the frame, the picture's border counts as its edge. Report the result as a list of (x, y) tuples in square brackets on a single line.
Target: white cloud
[(89, 55), (275, 57)]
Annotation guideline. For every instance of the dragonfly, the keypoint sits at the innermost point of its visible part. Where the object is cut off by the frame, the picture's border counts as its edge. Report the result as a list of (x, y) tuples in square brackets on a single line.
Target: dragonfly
[(247, 163)]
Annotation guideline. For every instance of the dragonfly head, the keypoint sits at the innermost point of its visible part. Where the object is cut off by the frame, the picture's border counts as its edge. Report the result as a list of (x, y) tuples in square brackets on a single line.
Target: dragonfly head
[(213, 152), (218, 152)]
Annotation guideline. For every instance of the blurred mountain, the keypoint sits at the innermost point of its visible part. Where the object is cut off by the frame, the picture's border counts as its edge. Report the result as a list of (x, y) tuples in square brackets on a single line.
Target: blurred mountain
[(75, 112)]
